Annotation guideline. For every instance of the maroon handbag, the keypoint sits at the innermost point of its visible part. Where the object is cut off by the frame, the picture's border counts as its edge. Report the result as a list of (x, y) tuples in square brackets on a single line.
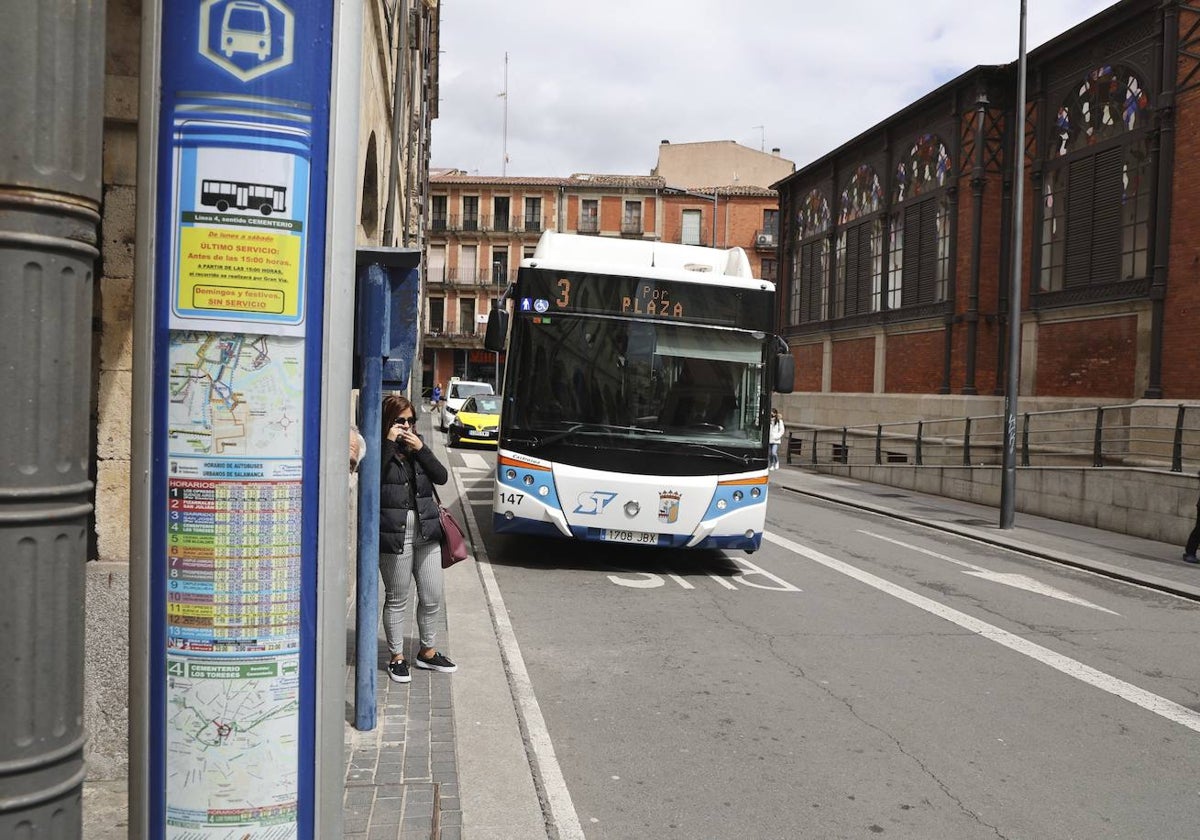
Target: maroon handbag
[(454, 543)]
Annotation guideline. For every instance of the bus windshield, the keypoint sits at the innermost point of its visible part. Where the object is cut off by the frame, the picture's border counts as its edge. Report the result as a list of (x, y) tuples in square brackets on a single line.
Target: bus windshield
[(649, 382)]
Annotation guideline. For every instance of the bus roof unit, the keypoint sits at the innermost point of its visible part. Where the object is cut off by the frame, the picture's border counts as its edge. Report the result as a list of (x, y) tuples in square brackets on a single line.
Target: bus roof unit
[(665, 260)]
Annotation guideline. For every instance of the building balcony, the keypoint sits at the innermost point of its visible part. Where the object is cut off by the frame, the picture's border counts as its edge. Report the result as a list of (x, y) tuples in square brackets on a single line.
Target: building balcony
[(589, 226), (633, 228), (451, 336), (465, 278)]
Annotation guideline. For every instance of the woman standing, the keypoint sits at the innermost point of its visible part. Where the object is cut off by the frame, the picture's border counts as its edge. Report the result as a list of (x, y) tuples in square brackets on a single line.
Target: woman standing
[(774, 438), (409, 535)]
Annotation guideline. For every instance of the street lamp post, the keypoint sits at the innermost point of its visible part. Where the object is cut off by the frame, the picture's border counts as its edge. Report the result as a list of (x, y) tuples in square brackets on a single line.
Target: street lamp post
[(1008, 484)]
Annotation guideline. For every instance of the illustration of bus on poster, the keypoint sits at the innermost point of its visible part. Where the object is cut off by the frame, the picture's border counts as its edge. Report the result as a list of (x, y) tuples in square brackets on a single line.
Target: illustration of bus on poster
[(241, 195)]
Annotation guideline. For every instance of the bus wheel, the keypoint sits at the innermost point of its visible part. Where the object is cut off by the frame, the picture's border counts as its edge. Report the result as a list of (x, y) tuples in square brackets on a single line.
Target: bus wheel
[(222, 205), (265, 209)]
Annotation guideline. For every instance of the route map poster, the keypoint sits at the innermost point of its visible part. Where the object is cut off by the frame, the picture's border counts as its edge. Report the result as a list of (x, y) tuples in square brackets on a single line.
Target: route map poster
[(234, 494)]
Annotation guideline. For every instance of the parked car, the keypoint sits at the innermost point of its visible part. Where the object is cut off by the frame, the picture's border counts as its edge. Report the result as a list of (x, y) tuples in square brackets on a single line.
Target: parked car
[(477, 421), (456, 394)]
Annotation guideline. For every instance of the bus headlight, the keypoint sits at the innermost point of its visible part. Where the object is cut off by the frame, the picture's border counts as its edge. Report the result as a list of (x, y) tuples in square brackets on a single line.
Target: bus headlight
[(543, 490), (722, 504), (755, 493), (737, 495), (528, 479), (510, 474)]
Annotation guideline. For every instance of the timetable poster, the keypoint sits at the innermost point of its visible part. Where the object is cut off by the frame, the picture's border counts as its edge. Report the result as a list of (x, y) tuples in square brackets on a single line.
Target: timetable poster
[(233, 584)]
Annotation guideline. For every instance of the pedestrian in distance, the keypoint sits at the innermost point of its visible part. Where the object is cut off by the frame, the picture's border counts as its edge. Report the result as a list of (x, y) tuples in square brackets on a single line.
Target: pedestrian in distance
[(409, 538), (435, 398), (774, 438), (1193, 540)]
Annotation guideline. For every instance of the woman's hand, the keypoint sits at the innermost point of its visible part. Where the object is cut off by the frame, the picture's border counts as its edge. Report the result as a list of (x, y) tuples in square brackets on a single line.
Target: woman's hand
[(394, 432), (409, 439)]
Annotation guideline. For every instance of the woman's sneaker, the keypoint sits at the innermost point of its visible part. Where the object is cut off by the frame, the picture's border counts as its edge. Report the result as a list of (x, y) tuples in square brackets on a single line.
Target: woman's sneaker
[(437, 662), (398, 671)]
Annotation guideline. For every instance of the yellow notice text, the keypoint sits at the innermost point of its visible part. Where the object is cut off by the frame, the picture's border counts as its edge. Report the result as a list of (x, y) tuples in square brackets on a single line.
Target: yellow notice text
[(243, 271)]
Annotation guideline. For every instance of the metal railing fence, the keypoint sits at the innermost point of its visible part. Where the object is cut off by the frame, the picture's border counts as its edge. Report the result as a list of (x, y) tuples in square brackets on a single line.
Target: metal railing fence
[(1130, 435)]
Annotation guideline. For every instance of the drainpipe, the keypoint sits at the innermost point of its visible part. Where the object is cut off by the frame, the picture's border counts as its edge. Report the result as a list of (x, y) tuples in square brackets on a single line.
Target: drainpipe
[(1165, 162), (50, 192), (978, 184)]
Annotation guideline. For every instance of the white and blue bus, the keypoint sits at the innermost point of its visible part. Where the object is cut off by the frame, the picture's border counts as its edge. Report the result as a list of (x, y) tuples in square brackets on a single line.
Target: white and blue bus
[(637, 393)]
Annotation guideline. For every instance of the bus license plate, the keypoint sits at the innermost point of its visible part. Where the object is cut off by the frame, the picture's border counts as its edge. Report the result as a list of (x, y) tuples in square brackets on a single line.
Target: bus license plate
[(640, 537)]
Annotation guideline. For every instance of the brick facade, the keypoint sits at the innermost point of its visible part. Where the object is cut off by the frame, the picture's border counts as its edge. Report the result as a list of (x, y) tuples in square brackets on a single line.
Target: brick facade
[(810, 359), (854, 365), (1087, 358), (1092, 328), (914, 363)]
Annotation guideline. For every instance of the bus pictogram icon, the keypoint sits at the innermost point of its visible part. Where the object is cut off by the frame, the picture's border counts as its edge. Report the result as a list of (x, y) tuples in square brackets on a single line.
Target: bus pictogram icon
[(247, 38)]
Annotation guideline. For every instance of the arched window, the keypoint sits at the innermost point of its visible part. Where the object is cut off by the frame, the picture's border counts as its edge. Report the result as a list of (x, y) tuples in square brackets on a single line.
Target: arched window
[(919, 247), (859, 245), (810, 270), (369, 210), (1096, 187)]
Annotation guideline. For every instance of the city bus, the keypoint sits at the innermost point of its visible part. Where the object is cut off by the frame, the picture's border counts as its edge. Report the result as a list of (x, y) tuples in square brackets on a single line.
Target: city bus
[(636, 394)]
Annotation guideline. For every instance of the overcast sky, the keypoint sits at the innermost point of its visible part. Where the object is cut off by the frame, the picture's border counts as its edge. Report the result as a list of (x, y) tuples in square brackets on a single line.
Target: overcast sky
[(593, 87)]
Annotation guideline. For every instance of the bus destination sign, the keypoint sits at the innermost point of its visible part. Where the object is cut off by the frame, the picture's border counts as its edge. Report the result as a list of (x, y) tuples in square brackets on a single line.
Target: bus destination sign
[(551, 292)]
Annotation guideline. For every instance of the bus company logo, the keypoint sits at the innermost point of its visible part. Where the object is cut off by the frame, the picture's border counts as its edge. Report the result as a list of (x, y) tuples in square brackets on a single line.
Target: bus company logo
[(668, 506), (593, 502)]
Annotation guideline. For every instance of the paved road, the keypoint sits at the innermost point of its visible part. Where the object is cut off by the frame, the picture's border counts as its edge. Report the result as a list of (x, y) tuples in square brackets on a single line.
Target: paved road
[(858, 677)]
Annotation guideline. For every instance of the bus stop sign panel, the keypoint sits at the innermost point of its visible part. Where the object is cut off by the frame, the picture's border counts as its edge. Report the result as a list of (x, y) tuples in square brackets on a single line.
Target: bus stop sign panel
[(247, 38)]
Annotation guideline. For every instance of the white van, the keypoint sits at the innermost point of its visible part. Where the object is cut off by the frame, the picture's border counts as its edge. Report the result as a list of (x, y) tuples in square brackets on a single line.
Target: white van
[(456, 395)]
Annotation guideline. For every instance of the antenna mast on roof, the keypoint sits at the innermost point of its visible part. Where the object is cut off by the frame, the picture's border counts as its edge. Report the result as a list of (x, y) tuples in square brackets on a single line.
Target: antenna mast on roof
[(504, 95), (762, 137)]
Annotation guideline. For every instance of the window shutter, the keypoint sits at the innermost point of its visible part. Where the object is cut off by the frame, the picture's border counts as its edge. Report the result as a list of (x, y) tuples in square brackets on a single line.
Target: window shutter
[(918, 282), (1106, 216), (811, 300), (1080, 180), (1094, 192), (853, 267), (865, 267)]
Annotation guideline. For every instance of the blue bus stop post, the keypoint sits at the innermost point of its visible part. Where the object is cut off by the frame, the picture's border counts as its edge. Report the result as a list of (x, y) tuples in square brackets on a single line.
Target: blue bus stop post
[(372, 315)]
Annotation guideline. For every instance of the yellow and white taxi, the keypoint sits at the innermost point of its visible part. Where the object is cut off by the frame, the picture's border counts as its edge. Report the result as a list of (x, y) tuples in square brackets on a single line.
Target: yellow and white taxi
[(477, 421)]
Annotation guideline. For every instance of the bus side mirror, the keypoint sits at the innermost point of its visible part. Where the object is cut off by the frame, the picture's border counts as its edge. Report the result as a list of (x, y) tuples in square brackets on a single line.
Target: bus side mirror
[(785, 373), (497, 330)]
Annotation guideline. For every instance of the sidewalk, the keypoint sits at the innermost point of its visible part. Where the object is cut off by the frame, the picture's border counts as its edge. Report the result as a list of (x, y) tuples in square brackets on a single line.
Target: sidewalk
[(1146, 562), (447, 759)]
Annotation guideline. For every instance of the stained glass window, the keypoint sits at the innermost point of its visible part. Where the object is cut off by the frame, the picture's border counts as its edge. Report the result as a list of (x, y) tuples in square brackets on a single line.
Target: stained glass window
[(1109, 101), (810, 272), (862, 196), (926, 167), (919, 233), (859, 245), (813, 216), (1096, 190)]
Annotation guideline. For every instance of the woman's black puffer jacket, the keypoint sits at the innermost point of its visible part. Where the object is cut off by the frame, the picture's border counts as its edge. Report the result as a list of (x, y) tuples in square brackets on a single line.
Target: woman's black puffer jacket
[(395, 496)]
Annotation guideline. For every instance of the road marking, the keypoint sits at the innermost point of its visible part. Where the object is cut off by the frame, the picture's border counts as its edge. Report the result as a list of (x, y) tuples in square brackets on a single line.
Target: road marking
[(1084, 673), (1019, 581), (653, 580), (548, 777), (475, 461)]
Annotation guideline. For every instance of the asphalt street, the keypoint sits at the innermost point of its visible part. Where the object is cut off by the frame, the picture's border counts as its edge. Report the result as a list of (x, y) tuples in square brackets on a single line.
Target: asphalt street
[(859, 676)]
